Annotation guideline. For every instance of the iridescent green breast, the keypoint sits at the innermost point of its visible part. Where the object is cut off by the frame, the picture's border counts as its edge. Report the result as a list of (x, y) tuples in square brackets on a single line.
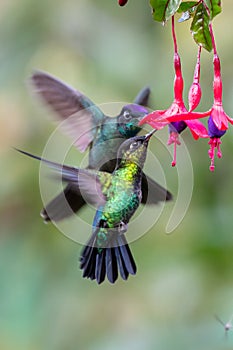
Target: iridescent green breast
[(123, 196)]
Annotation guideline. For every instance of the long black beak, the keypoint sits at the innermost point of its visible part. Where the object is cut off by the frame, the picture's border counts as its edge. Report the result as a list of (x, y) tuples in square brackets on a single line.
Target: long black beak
[(148, 136)]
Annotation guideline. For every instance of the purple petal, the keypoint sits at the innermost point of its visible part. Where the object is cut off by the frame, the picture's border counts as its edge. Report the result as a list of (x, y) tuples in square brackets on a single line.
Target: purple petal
[(177, 126), (213, 131)]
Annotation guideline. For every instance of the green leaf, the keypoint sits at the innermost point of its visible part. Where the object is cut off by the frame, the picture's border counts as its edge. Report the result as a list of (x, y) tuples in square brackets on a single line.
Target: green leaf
[(200, 28), (164, 9), (214, 7), (186, 6)]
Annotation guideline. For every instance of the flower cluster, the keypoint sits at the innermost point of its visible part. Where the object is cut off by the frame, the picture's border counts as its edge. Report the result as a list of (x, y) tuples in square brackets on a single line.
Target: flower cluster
[(177, 117)]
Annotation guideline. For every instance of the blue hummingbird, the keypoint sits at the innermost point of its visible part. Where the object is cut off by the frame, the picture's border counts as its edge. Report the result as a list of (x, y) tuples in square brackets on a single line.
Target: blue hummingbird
[(89, 127)]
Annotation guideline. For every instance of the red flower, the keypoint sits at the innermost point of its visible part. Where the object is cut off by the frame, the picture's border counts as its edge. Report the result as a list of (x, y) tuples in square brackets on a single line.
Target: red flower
[(177, 116), (220, 118), (214, 142), (196, 127), (159, 118)]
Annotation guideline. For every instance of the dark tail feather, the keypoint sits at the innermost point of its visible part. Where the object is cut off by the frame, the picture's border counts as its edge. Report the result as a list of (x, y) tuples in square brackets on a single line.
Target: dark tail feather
[(89, 267), (87, 250), (100, 268), (127, 255), (121, 264), (111, 265), (97, 263)]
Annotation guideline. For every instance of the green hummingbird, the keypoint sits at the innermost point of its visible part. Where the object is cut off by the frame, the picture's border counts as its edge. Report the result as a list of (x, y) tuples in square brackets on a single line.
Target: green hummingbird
[(116, 196), (89, 127)]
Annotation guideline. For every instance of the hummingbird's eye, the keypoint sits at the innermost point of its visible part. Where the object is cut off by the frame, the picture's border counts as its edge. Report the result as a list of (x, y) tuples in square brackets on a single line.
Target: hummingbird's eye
[(126, 115), (134, 144)]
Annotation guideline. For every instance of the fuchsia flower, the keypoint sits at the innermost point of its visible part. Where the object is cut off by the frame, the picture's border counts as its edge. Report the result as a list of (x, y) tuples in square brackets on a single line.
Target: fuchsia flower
[(214, 142), (172, 116), (220, 118), (160, 118), (178, 117)]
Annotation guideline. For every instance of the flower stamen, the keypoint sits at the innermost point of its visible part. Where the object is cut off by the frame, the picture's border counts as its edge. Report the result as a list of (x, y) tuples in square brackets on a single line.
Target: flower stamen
[(214, 143), (174, 138)]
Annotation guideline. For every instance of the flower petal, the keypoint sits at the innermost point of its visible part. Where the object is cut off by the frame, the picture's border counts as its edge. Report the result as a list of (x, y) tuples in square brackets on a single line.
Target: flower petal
[(229, 119), (213, 131), (197, 129), (219, 117), (153, 117), (187, 116)]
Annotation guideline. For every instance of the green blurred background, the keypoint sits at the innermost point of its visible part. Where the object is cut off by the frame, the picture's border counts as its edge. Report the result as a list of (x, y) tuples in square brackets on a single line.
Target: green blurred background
[(184, 278)]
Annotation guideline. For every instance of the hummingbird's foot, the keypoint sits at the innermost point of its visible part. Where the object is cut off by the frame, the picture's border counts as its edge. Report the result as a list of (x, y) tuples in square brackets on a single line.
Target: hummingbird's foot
[(44, 216), (122, 228)]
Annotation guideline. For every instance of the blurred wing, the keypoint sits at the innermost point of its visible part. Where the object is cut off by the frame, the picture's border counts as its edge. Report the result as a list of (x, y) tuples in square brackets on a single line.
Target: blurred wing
[(82, 117), (91, 184), (152, 192), (143, 96), (64, 205)]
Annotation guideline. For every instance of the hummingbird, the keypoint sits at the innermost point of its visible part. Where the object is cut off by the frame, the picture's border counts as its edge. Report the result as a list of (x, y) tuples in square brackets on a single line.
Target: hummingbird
[(89, 127), (116, 196), (227, 326)]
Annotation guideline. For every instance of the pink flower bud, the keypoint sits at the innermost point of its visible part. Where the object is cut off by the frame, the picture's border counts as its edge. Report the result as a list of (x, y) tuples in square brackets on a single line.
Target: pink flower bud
[(194, 96)]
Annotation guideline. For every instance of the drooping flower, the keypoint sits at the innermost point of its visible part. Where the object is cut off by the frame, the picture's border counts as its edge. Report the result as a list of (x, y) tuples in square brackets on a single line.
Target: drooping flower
[(215, 134), (159, 118), (177, 116), (220, 118)]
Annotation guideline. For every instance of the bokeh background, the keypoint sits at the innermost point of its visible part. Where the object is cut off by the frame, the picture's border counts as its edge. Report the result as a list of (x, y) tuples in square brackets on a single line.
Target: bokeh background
[(183, 278)]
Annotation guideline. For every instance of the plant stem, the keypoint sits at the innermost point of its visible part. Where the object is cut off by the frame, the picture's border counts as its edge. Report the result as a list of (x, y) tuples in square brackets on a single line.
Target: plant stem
[(174, 35)]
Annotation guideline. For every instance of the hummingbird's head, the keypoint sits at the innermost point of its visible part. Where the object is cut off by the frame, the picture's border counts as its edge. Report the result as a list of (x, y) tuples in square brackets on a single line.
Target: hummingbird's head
[(129, 118), (134, 149)]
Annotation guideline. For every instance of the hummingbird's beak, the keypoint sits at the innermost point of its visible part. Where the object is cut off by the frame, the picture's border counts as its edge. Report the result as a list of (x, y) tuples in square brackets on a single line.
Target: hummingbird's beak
[(148, 136)]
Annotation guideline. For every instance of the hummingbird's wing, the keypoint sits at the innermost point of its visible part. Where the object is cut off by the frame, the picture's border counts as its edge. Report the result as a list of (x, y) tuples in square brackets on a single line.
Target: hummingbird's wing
[(152, 192), (143, 96), (71, 200), (64, 205), (80, 116), (219, 320), (93, 185)]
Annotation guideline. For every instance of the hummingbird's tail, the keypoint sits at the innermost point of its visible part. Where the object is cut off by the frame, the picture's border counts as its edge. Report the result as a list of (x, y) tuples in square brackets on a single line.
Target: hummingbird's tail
[(97, 263)]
